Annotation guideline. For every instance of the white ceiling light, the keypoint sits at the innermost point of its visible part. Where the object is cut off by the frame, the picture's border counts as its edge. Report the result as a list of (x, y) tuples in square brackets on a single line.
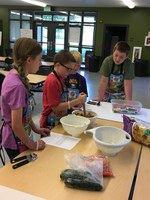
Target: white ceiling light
[(129, 3), (37, 3)]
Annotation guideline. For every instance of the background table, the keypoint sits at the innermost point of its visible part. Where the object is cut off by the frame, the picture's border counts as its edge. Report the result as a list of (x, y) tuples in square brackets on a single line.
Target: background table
[(44, 63), (33, 78)]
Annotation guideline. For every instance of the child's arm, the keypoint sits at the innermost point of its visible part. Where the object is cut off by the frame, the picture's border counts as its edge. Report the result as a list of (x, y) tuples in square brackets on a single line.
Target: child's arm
[(17, 127), (41, 131), (128, 89), (102, 87)]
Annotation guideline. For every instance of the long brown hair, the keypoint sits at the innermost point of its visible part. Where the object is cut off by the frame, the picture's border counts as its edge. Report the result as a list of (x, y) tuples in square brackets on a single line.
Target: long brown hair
[(24, 48)]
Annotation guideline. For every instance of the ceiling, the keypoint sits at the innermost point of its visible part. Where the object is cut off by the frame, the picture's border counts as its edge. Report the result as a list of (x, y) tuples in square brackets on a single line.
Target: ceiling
[(79, 3)]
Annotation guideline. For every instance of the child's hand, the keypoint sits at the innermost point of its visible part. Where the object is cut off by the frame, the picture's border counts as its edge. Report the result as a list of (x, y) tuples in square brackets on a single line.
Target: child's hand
[(43, 131), (77, 107), (95, 99), (40, 145), (82, 97)]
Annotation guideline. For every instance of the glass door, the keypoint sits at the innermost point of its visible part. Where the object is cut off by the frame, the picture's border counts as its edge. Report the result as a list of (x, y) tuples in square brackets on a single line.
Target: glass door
[(52, 36)]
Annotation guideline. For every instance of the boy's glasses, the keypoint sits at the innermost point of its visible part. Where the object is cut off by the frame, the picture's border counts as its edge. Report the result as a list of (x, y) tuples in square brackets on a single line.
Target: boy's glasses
[(68, 68)]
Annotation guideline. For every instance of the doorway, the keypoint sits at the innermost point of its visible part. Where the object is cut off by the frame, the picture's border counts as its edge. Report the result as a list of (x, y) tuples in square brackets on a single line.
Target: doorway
[(113, 34), (52, 36)]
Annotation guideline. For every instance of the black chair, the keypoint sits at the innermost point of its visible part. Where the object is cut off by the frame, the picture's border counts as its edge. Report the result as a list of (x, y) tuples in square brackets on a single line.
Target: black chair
[(87, 54), (8, 64), (141, 67), (8, 52), (94, 63), (49, 59), (36, 89), (45, 70)]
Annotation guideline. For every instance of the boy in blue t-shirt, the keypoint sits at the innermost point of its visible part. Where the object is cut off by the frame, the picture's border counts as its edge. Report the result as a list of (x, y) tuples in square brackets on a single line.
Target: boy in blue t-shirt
[(76, 83)]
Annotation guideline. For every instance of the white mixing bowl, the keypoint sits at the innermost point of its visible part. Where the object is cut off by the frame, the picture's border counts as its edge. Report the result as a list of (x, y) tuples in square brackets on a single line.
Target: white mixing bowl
[(74, 125), (110, 140), (88, 112)]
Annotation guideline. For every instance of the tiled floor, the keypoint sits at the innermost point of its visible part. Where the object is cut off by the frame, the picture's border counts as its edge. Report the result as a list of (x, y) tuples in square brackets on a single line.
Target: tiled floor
[(141, 92)]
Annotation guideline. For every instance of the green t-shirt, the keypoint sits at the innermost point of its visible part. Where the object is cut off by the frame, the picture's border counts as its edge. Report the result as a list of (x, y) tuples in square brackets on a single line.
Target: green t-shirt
[(128, 68)]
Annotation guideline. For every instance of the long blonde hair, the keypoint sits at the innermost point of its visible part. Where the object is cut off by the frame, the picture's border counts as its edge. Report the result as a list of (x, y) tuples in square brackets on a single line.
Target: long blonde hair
[(24, 48)]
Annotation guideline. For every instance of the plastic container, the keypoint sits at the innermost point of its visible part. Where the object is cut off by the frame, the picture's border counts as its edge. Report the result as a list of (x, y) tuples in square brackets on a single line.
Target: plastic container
[(125, 106)]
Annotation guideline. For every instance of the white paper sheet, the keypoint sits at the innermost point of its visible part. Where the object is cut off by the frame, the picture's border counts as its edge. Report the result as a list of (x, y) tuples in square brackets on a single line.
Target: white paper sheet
[(26, 33), (62, 141), (8, 193), (104, 111)]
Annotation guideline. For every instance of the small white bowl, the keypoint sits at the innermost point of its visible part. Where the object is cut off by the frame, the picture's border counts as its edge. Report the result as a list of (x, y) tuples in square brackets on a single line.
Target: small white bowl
[(80, 112), (74, 125), (110, 140)]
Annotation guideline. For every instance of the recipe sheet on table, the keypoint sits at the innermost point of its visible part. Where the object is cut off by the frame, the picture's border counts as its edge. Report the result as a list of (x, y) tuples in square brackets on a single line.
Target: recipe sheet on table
[(62, 141), (104, 111)]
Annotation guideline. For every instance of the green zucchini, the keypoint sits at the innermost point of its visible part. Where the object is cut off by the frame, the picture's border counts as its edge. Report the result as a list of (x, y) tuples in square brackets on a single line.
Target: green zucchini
[(84, 184), (80, 179), (72, 173)]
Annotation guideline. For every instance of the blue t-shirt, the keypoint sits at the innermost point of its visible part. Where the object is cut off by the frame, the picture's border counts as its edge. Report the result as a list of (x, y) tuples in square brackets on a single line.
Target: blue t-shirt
[(77, 81)]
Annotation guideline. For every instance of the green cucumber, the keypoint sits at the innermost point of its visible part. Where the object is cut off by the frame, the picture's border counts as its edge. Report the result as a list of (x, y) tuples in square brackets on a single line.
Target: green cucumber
[(84, 184), (72, 173)]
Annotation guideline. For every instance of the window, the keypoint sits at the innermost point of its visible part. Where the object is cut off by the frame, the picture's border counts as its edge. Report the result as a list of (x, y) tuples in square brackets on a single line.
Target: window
[(46, 18), (75, 17), (88, 32), (74, 36), (25, 25), (15, 30), (19, 20), (15, 14), (81, 27), (59, 42), (60, 18), (27, 15), (89, 17)]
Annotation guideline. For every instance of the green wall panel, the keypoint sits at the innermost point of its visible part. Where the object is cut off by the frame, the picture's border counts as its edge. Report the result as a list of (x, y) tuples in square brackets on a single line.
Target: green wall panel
[(4, 18), (137, 19), (139, 26)]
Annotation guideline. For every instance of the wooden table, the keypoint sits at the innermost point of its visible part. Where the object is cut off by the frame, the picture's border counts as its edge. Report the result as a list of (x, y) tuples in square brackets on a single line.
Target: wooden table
[(33, 78), (2, 58), (44, 63), (41, 177), (142, 190)]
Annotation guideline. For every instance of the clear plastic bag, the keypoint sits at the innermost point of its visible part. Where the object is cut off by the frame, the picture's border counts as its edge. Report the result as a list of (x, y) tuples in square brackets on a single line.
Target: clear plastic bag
[(107, 171), (83, 173)]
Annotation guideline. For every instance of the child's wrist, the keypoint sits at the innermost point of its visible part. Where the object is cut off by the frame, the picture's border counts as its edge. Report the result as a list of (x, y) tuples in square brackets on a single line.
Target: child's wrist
[(69, 106), (37, 145)]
